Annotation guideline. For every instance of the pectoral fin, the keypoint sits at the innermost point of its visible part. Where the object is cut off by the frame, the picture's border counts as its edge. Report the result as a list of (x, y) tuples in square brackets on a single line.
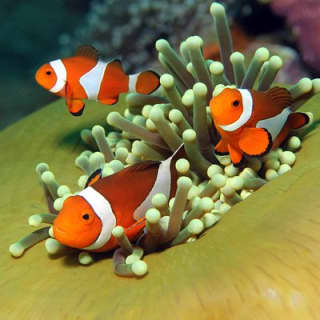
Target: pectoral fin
[(75, 106), (109, 101), (236, 156), (221, 148), (255, 142)]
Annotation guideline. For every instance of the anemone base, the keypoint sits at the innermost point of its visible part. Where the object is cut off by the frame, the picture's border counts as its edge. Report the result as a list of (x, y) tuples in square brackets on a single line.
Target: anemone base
[(261, 261)]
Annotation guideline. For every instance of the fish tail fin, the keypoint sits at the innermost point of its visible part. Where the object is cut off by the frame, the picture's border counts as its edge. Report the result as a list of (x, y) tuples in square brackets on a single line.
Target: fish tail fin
[(298, 120), (144, 82)]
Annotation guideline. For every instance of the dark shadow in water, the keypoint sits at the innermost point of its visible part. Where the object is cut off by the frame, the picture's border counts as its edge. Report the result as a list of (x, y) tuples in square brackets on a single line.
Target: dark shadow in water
[(71, 138), (64, 253), (70, 258)]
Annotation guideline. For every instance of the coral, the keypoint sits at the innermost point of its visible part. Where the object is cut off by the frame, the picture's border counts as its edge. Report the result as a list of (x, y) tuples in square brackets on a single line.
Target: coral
[(152, 128), (304, 20), (131, 29)]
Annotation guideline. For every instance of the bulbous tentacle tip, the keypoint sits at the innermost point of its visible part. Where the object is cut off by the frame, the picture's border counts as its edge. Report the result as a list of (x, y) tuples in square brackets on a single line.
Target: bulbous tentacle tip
[(139, 268), (217, 9), (16, 249), (162, 44), (85, 258)]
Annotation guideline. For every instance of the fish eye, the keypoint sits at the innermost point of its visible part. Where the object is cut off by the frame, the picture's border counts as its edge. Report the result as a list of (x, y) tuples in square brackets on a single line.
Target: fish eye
[(48, 72), (235, 103), (86, 216)]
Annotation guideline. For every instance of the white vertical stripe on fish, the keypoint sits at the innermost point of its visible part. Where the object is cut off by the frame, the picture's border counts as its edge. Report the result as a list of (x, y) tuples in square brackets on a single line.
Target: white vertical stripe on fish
[(275, 124), (133, 81), (161, 185), (91, 81), (103, 210), (61, 74), (247, 104)]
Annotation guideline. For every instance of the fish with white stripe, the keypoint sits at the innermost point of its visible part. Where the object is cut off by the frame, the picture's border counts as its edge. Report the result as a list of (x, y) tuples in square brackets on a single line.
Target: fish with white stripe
[(85, 76), (87, 219), (251, 123)]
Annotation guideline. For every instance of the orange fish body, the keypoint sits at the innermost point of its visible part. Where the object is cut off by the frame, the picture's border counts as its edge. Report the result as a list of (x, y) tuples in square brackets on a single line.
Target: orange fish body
[(87, 219), (86, 77), (251, 123)]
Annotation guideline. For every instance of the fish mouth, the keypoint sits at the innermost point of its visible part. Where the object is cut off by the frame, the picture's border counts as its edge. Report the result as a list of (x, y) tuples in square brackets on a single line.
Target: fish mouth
[(70, 239), (62, 236), (55, 228)]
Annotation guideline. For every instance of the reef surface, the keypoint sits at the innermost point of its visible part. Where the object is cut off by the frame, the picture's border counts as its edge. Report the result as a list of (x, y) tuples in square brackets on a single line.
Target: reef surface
[(260, 261)]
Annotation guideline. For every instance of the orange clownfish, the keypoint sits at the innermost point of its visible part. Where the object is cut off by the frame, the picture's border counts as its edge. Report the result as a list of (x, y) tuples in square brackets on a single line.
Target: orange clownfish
[(86, 220), (251, 123), (86, 76)]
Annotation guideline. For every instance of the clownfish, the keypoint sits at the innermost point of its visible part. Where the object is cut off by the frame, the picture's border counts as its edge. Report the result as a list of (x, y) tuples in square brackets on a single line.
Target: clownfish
[(251, 123), (87, 219), (86, 76)]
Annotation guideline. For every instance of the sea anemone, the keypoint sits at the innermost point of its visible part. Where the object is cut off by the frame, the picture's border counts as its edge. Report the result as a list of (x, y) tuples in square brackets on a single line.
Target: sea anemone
[(260, 261), (152, 127)]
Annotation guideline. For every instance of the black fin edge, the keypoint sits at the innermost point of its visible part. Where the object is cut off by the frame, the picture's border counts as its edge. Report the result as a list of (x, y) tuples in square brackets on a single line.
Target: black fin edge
[(79, 113), (93, 175), (240, 163), (117, 100), (307, 118), (158, 79), (221, 153)]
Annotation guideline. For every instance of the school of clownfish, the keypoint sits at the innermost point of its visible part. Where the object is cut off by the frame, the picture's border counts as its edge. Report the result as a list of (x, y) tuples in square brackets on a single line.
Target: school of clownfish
[(250, 124)]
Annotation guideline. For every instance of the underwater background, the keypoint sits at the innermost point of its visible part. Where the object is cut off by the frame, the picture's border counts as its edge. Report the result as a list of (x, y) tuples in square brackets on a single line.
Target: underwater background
[(259, 262), (35, 32)]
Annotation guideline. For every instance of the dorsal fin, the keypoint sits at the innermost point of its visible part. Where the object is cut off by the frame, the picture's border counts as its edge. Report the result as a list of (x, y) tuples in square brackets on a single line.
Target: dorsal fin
[(87, 51), (147, 164), (144, 165), (95, 176), (114, 68), (280, 96), (179, 153), (138, 167)]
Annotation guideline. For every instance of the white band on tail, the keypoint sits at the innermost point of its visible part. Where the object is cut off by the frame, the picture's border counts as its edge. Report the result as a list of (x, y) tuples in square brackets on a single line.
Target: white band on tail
[(103, 210), (133, 81), (275, 124), (91, 81), (61, 73), (247, 104)]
